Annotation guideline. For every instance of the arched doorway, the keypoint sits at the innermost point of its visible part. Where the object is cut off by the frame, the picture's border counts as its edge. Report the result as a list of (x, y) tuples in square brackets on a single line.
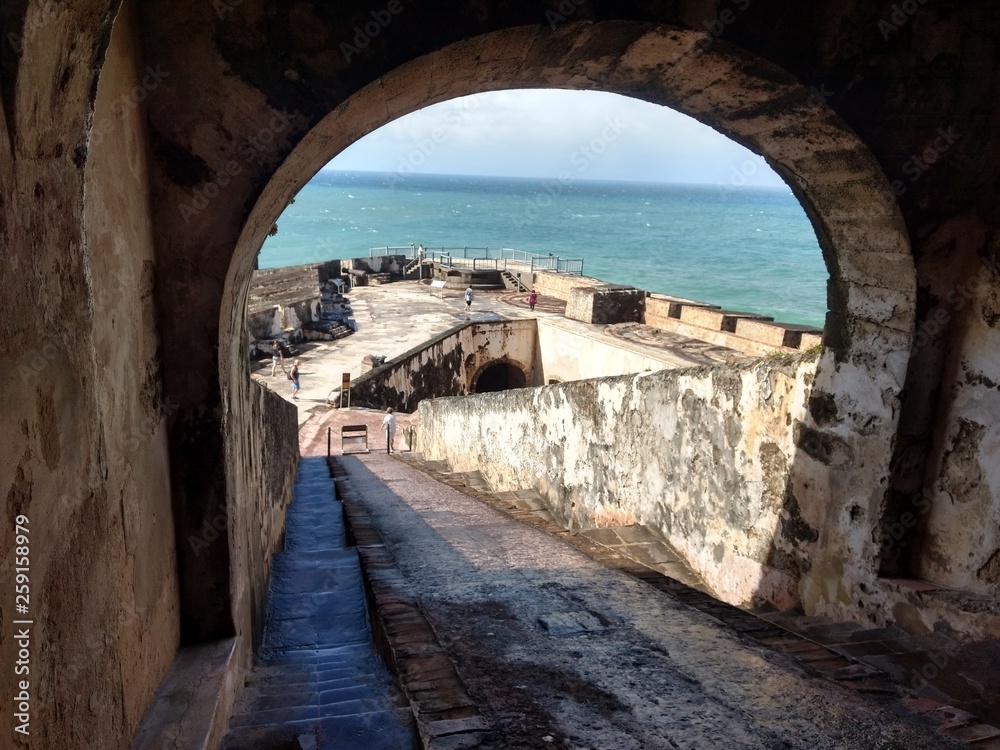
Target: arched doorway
[(846, 438), (500, 375)]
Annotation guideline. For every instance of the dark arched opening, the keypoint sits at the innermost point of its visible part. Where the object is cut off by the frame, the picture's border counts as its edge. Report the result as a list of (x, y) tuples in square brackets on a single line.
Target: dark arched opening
[(499, 376)]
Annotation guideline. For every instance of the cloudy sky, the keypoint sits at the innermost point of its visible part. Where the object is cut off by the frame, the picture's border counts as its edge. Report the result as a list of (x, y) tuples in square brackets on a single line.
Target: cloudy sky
[(545, 133)]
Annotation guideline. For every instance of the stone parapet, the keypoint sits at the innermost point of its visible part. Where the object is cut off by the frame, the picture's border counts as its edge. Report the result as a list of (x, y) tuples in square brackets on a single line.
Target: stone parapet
[(606, 304)]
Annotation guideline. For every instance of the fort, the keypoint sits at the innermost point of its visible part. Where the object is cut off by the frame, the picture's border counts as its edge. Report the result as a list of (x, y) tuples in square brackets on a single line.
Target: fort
[(148, 150)]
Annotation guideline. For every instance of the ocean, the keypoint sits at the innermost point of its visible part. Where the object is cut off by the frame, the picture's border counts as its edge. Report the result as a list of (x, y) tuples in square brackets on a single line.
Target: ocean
[(750, 249)]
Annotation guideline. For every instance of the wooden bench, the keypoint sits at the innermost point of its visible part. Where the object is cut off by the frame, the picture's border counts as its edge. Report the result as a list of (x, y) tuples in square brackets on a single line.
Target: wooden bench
[(354, 438)]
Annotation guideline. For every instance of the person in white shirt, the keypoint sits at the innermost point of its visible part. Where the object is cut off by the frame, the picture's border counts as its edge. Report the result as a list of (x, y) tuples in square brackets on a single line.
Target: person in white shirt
[(468, 299), (389, 425)]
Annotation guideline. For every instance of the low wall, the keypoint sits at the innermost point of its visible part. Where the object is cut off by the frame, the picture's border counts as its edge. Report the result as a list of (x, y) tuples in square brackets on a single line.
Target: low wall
[(567, 353), (269, 323), (447, 364), (700, 455), (262, 457), (390, 264), (560, 285), (742, 332)]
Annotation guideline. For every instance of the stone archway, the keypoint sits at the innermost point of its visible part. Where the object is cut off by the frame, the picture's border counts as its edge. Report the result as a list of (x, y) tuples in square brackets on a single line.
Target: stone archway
[(846, 439), (498, 375)]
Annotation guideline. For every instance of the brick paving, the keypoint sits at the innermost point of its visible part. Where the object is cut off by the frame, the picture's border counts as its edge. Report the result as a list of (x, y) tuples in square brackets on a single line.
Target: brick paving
[(558, 649)]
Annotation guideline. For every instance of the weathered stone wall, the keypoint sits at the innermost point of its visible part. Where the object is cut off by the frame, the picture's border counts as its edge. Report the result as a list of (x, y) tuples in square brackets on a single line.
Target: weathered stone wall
[(702, 455), (83, 446), (262, 456), (567, 353), (448, 364), (882, 130), (391, 264), (271, 322), (956, 515), (607, 303), (560, 285)]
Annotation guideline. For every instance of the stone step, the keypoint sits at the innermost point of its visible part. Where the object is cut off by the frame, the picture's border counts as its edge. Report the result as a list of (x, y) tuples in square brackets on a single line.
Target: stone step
[(318, 681), (330, 557), (376, 730), (282, 684)]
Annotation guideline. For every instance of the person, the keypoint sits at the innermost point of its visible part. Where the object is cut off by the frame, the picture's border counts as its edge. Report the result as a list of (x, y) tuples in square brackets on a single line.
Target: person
[(532, 299), (389, 425), (277, 358), (294, 375), (468, 298)]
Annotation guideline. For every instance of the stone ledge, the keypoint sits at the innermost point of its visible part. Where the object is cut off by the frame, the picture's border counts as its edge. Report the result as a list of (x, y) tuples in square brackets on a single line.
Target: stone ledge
[(191, 707)]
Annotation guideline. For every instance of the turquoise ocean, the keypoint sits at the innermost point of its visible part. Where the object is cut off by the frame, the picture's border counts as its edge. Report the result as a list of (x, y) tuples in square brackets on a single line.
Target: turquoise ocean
[(750, 249)]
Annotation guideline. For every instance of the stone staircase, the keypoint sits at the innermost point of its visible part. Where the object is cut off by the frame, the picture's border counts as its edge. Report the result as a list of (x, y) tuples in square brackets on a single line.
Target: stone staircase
[(512, 282), (318, 683), (412, 269)]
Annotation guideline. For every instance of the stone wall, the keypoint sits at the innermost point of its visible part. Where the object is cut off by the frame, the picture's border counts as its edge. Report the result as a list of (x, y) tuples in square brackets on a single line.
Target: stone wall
[(390, 264), (182, 143), (607, 303), (270, 322), (703, 456), (448, 364), (560, 285), (261, 456), (568, 353), (83, 447)]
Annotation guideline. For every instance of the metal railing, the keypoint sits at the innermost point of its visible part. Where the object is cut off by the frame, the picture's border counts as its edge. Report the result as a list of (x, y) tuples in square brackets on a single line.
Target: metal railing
[(377, 252), (490, 258)]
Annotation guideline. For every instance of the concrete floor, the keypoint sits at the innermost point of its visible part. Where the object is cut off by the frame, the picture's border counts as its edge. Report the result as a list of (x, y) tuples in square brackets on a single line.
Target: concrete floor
[(392, 319)]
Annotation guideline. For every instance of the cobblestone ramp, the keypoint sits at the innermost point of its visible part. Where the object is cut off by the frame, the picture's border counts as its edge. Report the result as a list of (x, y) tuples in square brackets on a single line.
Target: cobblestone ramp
[(318, 683)]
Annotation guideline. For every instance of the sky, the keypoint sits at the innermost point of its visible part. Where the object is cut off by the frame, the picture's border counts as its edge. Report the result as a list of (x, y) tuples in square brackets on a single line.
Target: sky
[(551, 132)]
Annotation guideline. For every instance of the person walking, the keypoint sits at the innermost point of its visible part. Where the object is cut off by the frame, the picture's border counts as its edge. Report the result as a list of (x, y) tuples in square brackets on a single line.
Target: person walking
[(532, 299), (468, 299), (389, 425), (277, 358), (294, 375)]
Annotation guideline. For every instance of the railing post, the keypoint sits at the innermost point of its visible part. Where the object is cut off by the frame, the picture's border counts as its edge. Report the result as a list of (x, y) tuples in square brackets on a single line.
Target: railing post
[(329, 433)]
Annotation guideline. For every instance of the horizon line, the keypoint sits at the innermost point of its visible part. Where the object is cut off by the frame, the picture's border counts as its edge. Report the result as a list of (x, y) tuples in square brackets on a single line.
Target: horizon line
[(728, 187)]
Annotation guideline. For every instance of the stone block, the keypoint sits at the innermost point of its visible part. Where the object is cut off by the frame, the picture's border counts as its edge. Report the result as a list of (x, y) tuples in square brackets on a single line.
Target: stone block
[(665, 306), (716, 320), (809, 340), (774, 334), (606, 304)]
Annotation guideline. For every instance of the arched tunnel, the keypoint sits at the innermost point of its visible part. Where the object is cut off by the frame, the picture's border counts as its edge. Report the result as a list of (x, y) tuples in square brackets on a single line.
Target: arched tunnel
[(149, 148)]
